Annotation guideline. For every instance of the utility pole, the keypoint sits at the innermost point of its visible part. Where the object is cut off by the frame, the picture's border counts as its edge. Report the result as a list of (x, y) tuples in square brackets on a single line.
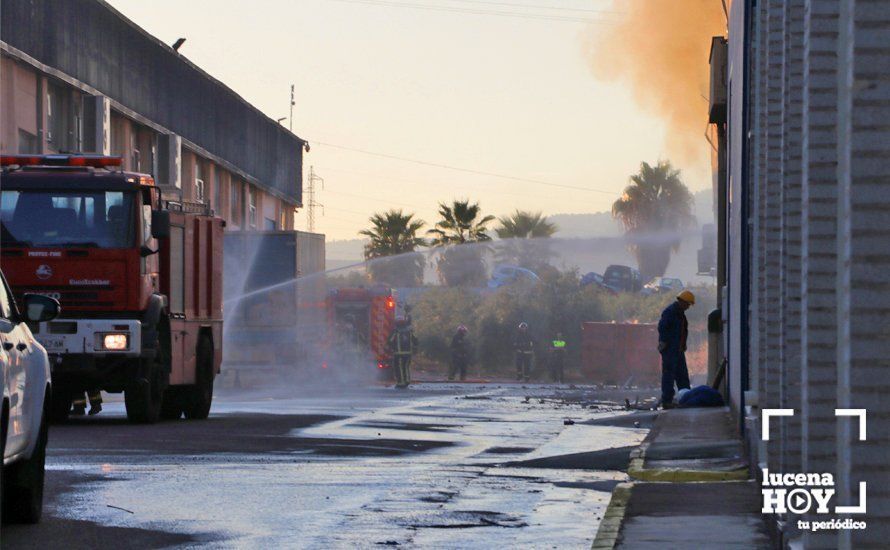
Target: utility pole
[(292, 103), (312, 204)]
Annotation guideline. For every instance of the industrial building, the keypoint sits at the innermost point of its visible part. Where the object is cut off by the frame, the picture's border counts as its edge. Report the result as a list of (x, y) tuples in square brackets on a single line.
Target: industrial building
[(801, 104), (76, 75)]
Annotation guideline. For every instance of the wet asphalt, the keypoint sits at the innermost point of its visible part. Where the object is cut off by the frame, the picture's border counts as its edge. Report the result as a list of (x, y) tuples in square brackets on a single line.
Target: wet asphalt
[(435, 466)]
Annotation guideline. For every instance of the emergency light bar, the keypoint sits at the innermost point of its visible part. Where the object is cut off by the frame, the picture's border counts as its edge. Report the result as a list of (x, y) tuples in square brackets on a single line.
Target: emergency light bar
[(95, 161)]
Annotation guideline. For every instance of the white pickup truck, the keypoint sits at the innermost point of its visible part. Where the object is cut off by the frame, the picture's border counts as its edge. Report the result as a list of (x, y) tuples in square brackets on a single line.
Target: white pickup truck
[(26, 397)]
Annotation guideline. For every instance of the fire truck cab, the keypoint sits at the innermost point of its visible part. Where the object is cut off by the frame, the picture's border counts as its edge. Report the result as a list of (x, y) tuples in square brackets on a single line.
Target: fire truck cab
[(139, 280)]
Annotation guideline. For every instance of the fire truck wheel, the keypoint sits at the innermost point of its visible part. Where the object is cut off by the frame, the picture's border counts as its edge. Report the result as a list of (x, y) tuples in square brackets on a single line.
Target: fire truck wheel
[(200, 396), (143, 396), (171, 406)]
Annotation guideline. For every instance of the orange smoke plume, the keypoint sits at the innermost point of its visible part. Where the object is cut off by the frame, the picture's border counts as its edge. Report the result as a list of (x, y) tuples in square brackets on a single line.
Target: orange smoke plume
[(660, 48)]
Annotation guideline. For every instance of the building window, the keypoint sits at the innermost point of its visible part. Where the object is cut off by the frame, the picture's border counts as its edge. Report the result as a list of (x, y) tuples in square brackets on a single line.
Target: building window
[(78, 127), (118, 126), (28, 142), (251, 206), (136, 162), (58, 112), (217, 189), (199, 183), (269, 224), (234, 196)]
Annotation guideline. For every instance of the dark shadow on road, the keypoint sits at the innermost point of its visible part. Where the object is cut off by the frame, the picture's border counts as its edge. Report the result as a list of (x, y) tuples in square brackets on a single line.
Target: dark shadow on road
[(73, 534), (615, 458), (264, 435)]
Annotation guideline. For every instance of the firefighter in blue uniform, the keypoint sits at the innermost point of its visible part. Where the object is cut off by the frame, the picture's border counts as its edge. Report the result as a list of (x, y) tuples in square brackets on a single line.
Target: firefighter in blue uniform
[(402, 344), (673, 331)]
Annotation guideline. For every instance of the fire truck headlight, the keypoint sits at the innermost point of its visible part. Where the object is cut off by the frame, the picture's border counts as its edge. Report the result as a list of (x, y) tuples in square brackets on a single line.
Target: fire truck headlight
[(115, 341)]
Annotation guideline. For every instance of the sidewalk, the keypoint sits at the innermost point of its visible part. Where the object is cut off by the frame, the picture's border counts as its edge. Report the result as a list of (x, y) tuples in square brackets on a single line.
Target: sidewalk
[(690, 489)]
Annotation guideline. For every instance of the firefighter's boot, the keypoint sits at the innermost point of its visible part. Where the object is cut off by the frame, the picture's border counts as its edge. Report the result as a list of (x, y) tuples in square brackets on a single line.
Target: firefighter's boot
[(95, 402), (79, 406)]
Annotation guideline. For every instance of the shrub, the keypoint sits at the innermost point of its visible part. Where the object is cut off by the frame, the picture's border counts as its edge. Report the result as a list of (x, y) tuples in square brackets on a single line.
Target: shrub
[(555, 304)]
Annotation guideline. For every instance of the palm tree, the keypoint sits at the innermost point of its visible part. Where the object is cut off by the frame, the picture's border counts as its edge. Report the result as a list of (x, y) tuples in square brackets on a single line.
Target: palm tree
[(654, 209), (461, 223), (525, 225), (527, 233), (393, 235)]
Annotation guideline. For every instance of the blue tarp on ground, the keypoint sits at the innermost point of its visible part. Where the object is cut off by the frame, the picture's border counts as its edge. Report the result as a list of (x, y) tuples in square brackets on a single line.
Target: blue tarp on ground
[(701, 396)]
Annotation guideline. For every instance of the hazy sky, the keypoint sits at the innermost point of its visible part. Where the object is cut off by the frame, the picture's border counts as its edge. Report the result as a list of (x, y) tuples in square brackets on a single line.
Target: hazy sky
[(490, 93)]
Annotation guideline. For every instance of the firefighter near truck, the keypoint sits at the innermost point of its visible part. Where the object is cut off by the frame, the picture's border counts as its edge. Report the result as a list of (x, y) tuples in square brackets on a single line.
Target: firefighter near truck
[(139, 279)]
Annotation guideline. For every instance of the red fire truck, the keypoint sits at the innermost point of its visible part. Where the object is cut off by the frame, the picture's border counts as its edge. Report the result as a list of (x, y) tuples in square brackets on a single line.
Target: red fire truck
[(360, 321), (139, 280)]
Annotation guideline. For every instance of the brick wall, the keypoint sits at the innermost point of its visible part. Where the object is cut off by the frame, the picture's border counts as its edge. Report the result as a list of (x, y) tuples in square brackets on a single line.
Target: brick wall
[(817, 125), (864, 253), (819, 245)]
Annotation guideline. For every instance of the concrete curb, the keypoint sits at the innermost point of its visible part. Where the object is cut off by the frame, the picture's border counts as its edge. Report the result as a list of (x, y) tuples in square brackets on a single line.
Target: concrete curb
[(676, 475), (610, 526), (638, 471)]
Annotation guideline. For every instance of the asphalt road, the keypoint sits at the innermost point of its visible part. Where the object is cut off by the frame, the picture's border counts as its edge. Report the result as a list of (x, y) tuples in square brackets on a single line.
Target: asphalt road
[(438, 465)]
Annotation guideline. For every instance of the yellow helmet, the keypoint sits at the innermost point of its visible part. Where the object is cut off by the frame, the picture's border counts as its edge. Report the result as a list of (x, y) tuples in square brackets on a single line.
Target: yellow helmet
[(687, 297)]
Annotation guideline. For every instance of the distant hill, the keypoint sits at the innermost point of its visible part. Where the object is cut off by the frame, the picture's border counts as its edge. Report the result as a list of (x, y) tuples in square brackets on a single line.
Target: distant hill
[(348, 250), (602, 224)]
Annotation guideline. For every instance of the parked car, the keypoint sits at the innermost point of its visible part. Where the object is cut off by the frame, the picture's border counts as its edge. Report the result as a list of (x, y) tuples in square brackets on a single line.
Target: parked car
[(26, 401), (596, 280), (622, 278), (504, 275), (660, 285), (591, 279)]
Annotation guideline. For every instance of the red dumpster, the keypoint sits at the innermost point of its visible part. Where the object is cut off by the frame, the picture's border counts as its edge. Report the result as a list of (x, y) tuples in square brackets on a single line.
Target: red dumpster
[(618, 353)]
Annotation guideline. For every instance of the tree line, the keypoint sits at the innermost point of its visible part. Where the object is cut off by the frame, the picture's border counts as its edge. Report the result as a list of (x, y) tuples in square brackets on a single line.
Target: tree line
[(654, 208)]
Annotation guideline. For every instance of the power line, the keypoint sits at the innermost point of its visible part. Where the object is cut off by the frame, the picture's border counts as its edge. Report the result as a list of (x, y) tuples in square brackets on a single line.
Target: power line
[(365, 214), (375, 199), (465, 170), (438, 185), (473, 11)]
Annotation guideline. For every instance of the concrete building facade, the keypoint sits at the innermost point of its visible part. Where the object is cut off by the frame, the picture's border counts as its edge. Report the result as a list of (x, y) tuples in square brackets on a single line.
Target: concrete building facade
[(77, 76), (807, 298)]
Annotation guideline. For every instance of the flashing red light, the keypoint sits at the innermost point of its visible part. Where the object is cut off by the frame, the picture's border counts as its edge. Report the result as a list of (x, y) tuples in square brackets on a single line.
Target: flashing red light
[(390, 303), (381, 366), (95, 161), (324, 365)]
